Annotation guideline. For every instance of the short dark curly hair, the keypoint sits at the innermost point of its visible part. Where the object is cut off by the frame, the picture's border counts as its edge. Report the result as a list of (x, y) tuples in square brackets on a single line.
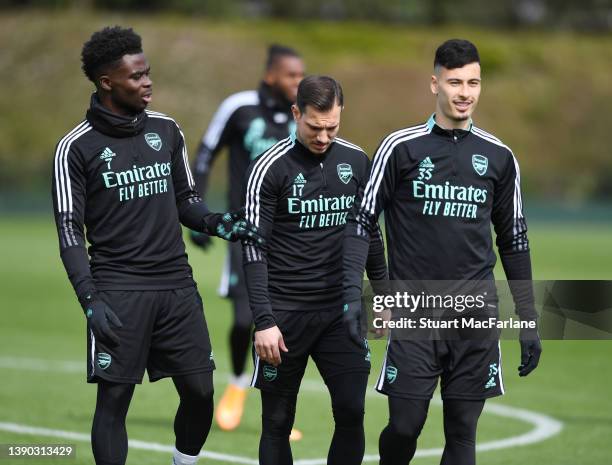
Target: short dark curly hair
[(106, 47)]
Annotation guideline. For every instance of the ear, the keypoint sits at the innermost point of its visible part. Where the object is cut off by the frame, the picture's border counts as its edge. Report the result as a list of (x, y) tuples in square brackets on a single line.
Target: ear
[(269, 77), (433, 85), (296, 112), (105, 83)]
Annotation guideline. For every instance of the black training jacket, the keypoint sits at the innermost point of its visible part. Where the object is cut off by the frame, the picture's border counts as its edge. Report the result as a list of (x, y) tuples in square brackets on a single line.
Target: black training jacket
[(248, 123), (300, 202), (124, 183), (440, 191)]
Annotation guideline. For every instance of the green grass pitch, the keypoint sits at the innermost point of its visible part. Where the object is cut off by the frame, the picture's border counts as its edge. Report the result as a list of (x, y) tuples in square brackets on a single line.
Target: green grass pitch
[(42, 327)]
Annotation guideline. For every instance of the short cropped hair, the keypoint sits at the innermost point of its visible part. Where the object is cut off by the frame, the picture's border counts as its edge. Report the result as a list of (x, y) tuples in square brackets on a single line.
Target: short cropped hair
[(276, 52), (456, 53), (105, 49), (320, 92)]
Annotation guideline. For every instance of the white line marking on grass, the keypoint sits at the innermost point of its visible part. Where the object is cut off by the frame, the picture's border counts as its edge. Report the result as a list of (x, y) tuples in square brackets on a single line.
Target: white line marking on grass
[(133, 443), (544, 426)]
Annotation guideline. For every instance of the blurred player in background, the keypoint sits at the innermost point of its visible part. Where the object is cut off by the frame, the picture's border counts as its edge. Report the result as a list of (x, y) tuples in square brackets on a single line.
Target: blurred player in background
[(248, 123), (121, 178)]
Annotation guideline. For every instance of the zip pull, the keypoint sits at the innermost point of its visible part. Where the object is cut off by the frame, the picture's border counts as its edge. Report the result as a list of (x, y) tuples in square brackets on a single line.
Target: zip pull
[(323, 175)]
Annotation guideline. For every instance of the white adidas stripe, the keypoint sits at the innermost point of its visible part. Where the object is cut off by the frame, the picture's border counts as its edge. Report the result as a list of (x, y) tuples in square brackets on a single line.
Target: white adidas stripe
[(381, 378), (261, 180), (63, 183), (499, 373), (93, 353), (382, 156), (223, 114), (517, 197), (257, 176), (190, 180), (61, 172), (378, 156), (255, 370), (346, 143)]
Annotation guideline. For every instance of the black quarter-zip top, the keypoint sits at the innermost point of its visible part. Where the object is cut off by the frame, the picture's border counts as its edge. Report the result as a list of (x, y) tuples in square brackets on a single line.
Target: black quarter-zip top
[(440, 190), (122, 182), (300, 202)]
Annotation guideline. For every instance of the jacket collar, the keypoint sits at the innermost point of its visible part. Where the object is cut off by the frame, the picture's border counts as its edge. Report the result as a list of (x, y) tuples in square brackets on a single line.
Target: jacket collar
[(307, 154), (436, 129), (272, 100), (112, 124)]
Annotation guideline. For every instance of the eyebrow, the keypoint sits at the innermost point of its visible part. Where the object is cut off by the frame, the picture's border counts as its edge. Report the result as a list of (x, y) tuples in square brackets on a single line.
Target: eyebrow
[(459, 79), (313, 126), (143, 71)]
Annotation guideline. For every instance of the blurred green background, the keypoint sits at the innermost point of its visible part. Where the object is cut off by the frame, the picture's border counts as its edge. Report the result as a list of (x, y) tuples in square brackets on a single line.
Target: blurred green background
[(546, 93)]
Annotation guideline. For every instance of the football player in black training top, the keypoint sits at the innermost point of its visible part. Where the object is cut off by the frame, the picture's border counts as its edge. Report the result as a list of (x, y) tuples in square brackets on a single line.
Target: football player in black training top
[(121, 179), (441, 184), (299, 194)]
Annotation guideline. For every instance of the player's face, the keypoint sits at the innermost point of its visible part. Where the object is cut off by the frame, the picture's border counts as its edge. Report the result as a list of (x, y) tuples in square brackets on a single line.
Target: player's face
[(129, 85), (316, 130), (457, 92), (285, 76)]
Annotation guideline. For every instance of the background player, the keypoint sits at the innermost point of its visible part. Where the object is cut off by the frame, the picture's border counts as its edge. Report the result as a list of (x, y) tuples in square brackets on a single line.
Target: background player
[(122, 176), (299, 193), (248, 123), (441, 185)]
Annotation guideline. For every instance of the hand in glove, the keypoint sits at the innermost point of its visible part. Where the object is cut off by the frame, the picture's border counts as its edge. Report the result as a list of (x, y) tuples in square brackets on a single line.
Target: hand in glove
[(100, 318), (531, 349)]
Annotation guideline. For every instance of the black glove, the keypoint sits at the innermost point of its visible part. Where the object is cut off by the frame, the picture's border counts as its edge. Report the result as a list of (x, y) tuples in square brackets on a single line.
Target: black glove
[(99, 315), (352, 321), (233, 226), (531, 349), (202, 240)]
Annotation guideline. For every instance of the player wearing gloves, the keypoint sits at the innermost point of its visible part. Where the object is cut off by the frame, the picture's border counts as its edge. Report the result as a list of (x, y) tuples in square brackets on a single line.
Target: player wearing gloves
[(441, 184), (121, 178), (299, 194), (247, 123)]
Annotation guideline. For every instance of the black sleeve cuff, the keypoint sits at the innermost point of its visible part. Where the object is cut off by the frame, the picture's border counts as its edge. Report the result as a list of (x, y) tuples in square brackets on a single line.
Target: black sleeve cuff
[(193, 214), (256, 274), (76, 263), (354, 261), (517, 266)]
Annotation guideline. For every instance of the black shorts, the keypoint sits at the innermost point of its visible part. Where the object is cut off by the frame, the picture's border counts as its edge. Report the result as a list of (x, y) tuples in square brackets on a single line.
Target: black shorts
[(163, 331), (468, 369), (233, 281), (320, 335)]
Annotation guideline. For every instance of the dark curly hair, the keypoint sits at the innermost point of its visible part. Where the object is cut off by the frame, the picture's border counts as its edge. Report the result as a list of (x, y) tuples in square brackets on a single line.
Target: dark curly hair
[(106, 47)]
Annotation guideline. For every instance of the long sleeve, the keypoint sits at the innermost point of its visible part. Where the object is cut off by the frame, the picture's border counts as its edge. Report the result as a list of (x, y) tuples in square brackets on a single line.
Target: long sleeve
[(512, 243), (69, 191), (214, 139), (260, 204), (192, 211), (363, 244), (376, 264)]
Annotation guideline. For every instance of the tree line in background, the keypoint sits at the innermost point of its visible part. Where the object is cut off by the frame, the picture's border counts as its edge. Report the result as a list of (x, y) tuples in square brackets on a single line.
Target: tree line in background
[(546, 93), (586, 15)]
